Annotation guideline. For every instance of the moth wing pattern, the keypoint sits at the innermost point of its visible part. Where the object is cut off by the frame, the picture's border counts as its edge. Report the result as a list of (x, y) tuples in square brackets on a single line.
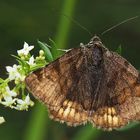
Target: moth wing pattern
[(122, 105), (129, 98), (89, 83), (56, 86)]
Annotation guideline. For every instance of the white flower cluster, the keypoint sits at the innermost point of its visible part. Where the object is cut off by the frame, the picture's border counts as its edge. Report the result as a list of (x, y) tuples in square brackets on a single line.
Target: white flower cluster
[(9, 99), (16, 98), (14, 73)]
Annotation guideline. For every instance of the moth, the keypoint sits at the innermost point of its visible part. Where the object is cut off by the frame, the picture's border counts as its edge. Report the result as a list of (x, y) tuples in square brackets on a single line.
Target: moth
[(89, 84)]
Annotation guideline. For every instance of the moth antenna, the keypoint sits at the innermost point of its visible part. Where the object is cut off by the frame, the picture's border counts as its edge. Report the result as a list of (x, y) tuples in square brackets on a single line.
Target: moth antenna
[(124, 21), (78, 24)]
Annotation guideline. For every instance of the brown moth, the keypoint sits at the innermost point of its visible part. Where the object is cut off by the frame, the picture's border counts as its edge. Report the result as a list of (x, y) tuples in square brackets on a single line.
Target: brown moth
[(89, 84)]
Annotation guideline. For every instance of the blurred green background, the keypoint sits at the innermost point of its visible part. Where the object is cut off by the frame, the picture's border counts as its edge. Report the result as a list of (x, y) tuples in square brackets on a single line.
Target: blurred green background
[(29, 20)]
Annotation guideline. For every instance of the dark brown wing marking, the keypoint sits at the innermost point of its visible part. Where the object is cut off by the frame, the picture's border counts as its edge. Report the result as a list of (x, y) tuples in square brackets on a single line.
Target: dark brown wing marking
[(124, 91), (56, 86)]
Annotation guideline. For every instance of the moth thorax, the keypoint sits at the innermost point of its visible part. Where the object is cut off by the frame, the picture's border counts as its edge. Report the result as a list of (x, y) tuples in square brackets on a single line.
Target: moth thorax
[(97, 53)]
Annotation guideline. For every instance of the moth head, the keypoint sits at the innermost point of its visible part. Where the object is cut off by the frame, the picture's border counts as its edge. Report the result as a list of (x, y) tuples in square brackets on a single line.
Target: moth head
[(95, 41)]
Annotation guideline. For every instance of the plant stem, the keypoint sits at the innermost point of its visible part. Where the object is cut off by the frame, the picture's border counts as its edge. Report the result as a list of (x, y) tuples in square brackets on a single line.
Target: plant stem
[(64, 26), (38, 123), (87, 133), (36, 126)]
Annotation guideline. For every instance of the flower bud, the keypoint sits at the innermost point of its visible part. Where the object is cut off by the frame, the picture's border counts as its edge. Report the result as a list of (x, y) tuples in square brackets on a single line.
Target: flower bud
[(22, 57), (43, 57), (17, 81), (37, 58), (41, 52)]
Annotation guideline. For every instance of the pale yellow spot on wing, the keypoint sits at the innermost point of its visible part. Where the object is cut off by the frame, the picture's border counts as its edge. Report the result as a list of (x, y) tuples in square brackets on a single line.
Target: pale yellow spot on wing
[(77, 116), (72, 112), (115, 121), (100, 120), (109, 117), (61, 110), (70, 103), (105, 118), (66, 112), (65, 103), (109, 111), (113, 111)]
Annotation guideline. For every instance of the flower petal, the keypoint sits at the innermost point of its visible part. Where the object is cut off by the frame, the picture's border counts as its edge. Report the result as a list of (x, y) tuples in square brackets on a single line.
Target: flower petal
[(19, 101), (2, 120)]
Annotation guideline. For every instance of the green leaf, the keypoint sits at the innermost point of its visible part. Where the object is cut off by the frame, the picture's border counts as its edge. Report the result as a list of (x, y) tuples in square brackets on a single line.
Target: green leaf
[(119, 50), (53, 44), (45, 47), (20, 61), (129, 126), (1, 80), (33, 68), (86, 133), (23, 63), (16, 57)]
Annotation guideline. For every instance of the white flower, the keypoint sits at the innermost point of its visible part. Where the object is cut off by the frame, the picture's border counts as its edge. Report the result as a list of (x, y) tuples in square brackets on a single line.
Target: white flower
[(24, 104), (2, 120), (31, 61), (10, 92), (26, 49), (8, 103), (14, 73), (8, 97)]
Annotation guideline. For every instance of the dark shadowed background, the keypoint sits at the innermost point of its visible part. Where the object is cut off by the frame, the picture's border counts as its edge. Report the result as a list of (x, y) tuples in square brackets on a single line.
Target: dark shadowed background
[(29, 20)]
